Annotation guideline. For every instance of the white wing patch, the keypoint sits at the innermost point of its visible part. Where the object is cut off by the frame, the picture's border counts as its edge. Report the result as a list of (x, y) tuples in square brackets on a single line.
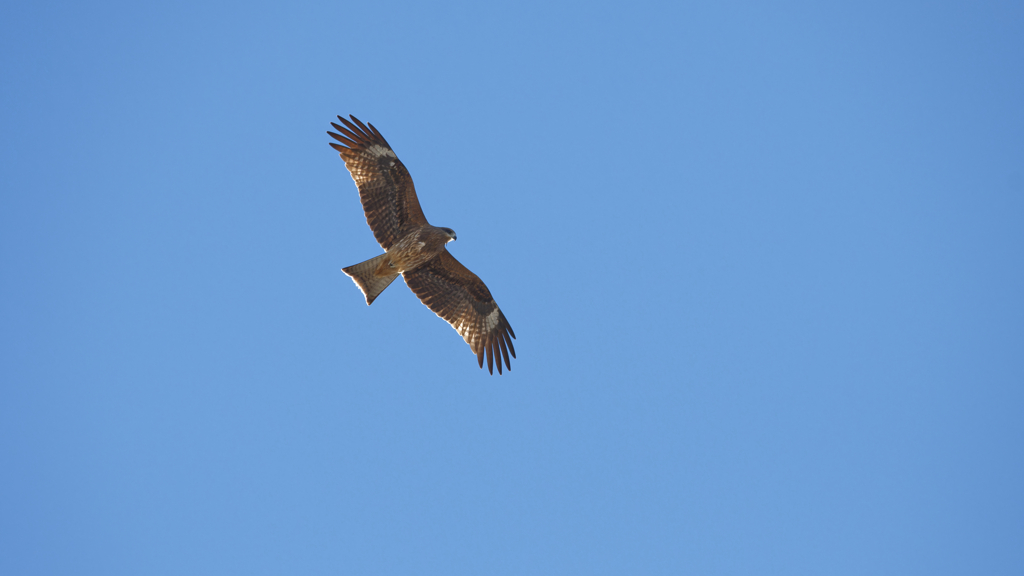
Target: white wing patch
[(377, 150), (492, 320)]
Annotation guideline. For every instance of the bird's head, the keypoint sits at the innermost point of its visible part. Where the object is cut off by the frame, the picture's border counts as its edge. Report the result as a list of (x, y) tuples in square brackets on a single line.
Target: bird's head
[(450, 233)]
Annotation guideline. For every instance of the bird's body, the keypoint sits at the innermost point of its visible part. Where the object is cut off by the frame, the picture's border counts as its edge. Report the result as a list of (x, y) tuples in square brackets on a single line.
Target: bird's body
[(415, 249)]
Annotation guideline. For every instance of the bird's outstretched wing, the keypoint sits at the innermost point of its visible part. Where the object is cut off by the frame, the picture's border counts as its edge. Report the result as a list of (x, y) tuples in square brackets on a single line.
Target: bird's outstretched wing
[(461, 298), (385, 187)]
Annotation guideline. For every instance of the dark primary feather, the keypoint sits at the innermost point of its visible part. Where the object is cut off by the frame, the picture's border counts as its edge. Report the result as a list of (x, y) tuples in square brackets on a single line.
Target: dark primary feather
[(461, 298), (385, 186)]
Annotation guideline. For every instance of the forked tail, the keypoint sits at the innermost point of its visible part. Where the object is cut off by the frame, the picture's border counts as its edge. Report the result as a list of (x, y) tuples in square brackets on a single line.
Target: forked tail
[(364, 275)]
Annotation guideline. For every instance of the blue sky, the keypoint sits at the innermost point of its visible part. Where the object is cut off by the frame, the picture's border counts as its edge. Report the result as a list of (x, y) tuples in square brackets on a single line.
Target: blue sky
[(765, 263)]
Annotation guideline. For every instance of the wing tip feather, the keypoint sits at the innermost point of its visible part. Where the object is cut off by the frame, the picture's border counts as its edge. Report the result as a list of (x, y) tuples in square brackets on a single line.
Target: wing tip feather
[(490, 357)]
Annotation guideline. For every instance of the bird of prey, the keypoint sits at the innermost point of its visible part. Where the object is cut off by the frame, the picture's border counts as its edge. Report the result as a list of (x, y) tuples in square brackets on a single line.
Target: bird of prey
[(415, 249)]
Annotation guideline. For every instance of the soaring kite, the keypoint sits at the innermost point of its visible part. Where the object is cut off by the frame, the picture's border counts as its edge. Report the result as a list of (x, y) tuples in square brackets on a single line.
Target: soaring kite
[(415, 249)]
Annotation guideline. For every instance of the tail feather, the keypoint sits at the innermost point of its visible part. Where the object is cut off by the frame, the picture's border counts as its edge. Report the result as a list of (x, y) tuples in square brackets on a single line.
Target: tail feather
[(364, 275)]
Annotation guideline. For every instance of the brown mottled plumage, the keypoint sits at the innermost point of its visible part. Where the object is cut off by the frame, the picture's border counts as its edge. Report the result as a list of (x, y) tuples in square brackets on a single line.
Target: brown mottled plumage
[(415, 249)]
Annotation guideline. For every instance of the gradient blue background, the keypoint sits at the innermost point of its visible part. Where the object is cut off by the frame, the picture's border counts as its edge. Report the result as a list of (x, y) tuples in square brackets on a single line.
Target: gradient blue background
[(765, 263)]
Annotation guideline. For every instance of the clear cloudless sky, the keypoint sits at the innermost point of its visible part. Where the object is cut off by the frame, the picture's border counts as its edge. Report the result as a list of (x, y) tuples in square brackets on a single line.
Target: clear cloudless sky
[(765, 263)]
